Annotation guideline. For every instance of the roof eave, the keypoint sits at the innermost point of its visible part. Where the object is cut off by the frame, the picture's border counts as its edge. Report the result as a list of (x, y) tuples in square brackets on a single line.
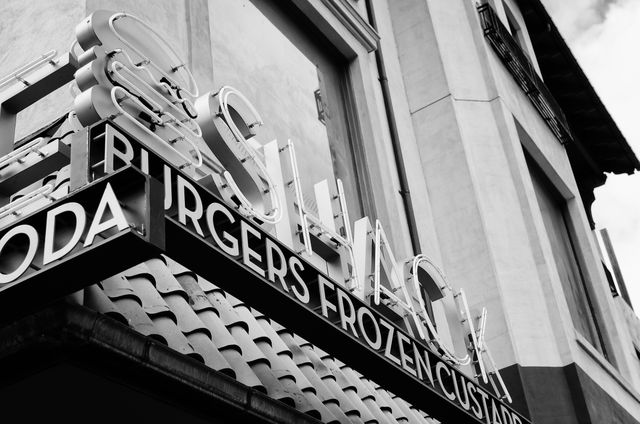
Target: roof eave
[(595, 128)]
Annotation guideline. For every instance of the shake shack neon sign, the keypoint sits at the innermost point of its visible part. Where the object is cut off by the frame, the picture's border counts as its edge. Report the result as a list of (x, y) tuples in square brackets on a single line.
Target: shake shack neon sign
[(199, 145), (218, 225)]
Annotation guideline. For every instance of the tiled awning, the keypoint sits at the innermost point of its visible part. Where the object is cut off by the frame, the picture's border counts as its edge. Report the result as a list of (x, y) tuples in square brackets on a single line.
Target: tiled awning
[(164, 301)]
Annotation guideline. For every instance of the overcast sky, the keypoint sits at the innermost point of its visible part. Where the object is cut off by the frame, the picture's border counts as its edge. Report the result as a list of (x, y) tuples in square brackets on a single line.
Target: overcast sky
[(604, 36)]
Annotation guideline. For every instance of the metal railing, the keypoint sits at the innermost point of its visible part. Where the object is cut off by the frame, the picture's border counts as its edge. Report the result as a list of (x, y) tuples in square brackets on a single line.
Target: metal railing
[(518, 64)]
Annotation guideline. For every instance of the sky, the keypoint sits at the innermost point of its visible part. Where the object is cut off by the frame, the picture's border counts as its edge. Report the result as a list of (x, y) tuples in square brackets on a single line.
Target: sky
[(604, 35)]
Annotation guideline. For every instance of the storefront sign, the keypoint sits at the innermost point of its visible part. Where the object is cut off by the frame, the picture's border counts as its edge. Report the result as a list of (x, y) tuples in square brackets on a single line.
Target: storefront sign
[(76, 241), (130, 75), (221, 209), (208, 236)]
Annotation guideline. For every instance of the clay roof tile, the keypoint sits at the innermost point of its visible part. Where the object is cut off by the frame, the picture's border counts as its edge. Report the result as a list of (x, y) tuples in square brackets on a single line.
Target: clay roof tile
[(152, 302), (95, 298), (118, 286)]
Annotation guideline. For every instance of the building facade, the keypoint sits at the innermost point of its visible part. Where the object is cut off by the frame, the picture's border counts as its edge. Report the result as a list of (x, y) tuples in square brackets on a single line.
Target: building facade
[(464, 131)]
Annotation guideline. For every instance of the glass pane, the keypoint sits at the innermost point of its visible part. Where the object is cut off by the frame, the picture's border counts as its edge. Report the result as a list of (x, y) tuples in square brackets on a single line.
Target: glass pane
[(295, 85), (573, 285)]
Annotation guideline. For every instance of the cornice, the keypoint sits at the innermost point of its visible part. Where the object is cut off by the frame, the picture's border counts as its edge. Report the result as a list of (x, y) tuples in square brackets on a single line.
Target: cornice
[(354, 22)]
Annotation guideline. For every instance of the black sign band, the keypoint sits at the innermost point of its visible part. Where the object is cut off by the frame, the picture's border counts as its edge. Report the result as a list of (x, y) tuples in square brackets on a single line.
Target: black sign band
[(77, 240)]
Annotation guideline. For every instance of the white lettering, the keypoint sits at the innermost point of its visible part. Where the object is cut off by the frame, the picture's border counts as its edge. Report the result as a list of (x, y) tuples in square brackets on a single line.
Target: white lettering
[(303, 297), (440, 368), (506, 416), (484, 397), (168, 195), (422, 364), (458, 378), (227, 243), (118, 220), (77, 210), (475, 408), (495, 415), (387, 349), (377, 342), (347, 317), (248, 254), (406, 360), (272, 271), (194, 214), (324, 303), (111, 152), (383, 257), (250, 181), (32, 235)]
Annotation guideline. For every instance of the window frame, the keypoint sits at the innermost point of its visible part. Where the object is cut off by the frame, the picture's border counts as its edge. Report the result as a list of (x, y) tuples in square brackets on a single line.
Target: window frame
[(354, 39), (585, 251)]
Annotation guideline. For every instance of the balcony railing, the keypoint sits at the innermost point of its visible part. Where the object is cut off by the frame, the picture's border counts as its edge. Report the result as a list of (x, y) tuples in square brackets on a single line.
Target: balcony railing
[(518, 64)]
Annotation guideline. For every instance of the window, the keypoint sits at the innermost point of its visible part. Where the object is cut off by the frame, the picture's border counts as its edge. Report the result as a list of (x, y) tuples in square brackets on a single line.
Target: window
[(558, 226), (297, 82)]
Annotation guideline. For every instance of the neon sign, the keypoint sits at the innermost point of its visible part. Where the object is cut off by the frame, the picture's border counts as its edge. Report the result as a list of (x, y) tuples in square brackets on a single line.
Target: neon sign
[(146, 80), (130, 74), (131, 77), (245, 177)]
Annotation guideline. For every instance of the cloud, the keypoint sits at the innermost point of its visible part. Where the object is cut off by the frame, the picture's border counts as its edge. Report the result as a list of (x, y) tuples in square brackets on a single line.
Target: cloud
[(603, 37), (575, 16)]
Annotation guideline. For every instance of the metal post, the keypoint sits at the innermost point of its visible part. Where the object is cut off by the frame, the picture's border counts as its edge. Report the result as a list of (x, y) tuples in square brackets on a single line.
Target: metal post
[(616, 267)]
